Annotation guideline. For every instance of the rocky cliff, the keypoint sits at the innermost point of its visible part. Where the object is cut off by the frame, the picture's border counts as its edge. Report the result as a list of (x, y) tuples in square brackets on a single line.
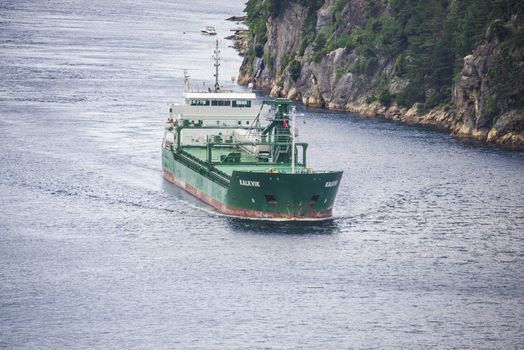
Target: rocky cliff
[(488, 99), (310, 68)]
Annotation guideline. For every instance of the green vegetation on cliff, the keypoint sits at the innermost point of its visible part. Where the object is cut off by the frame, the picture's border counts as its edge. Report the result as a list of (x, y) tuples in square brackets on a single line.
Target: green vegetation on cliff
[(258, 13), (435, 37), (427, 41)]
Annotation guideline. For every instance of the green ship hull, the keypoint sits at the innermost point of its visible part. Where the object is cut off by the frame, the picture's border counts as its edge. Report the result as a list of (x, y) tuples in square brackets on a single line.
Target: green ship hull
[(216, 148), (255, 194)]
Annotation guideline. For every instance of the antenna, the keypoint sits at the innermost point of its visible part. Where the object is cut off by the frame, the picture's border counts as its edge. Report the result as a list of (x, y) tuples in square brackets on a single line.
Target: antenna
[(186, 81), (216, 57), (186, 77)]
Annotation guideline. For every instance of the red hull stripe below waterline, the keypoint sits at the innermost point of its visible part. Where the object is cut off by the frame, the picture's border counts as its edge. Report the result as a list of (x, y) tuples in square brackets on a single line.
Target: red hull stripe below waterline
[(221, 207)]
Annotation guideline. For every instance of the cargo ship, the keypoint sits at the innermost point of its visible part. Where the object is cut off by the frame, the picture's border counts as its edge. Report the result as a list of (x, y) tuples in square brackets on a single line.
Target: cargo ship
[(241, 156)]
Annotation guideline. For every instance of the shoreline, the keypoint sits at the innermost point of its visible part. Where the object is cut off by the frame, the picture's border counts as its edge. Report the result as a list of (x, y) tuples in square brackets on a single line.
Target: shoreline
[(240, 35), (438, 119)]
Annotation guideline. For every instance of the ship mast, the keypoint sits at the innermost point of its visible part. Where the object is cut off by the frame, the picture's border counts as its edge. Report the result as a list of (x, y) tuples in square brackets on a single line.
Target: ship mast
[(216, 57), (293, 117)]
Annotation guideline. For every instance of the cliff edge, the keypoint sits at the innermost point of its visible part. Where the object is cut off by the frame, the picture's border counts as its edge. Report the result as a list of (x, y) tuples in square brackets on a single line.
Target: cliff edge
[(427, 65)]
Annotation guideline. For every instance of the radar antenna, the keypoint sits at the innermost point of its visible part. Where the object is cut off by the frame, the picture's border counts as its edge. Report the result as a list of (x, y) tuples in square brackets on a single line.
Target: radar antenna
[(186, 77), (216, 57), (186, 81)]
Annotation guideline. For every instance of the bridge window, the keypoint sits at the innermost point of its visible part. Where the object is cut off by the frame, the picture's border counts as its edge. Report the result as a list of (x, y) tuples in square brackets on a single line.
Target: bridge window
[(199, 102), (220, 103), (241, 103)]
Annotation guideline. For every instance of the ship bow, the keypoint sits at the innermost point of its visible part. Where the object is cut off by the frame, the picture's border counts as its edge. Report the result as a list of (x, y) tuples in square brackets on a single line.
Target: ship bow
[(282, 195)]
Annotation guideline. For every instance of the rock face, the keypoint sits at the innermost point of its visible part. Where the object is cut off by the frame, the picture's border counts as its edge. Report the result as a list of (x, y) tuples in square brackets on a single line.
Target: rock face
[(283, 35), (323, 83), (479, 110), (476, 111)]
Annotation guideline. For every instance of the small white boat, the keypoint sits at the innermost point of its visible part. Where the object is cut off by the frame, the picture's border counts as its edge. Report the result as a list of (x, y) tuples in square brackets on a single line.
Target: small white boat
[(209, 31)]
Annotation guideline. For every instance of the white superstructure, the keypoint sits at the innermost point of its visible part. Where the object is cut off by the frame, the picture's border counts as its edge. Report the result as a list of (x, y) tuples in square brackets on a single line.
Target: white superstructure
[(217, 114), (228, 115)]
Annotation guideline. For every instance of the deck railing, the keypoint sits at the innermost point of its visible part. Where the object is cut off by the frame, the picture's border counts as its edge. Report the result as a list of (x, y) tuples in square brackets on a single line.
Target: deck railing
[(202, 168)]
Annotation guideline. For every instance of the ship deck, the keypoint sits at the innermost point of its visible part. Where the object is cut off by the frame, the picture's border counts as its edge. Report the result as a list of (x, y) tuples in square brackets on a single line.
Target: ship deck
[(248, 162)]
